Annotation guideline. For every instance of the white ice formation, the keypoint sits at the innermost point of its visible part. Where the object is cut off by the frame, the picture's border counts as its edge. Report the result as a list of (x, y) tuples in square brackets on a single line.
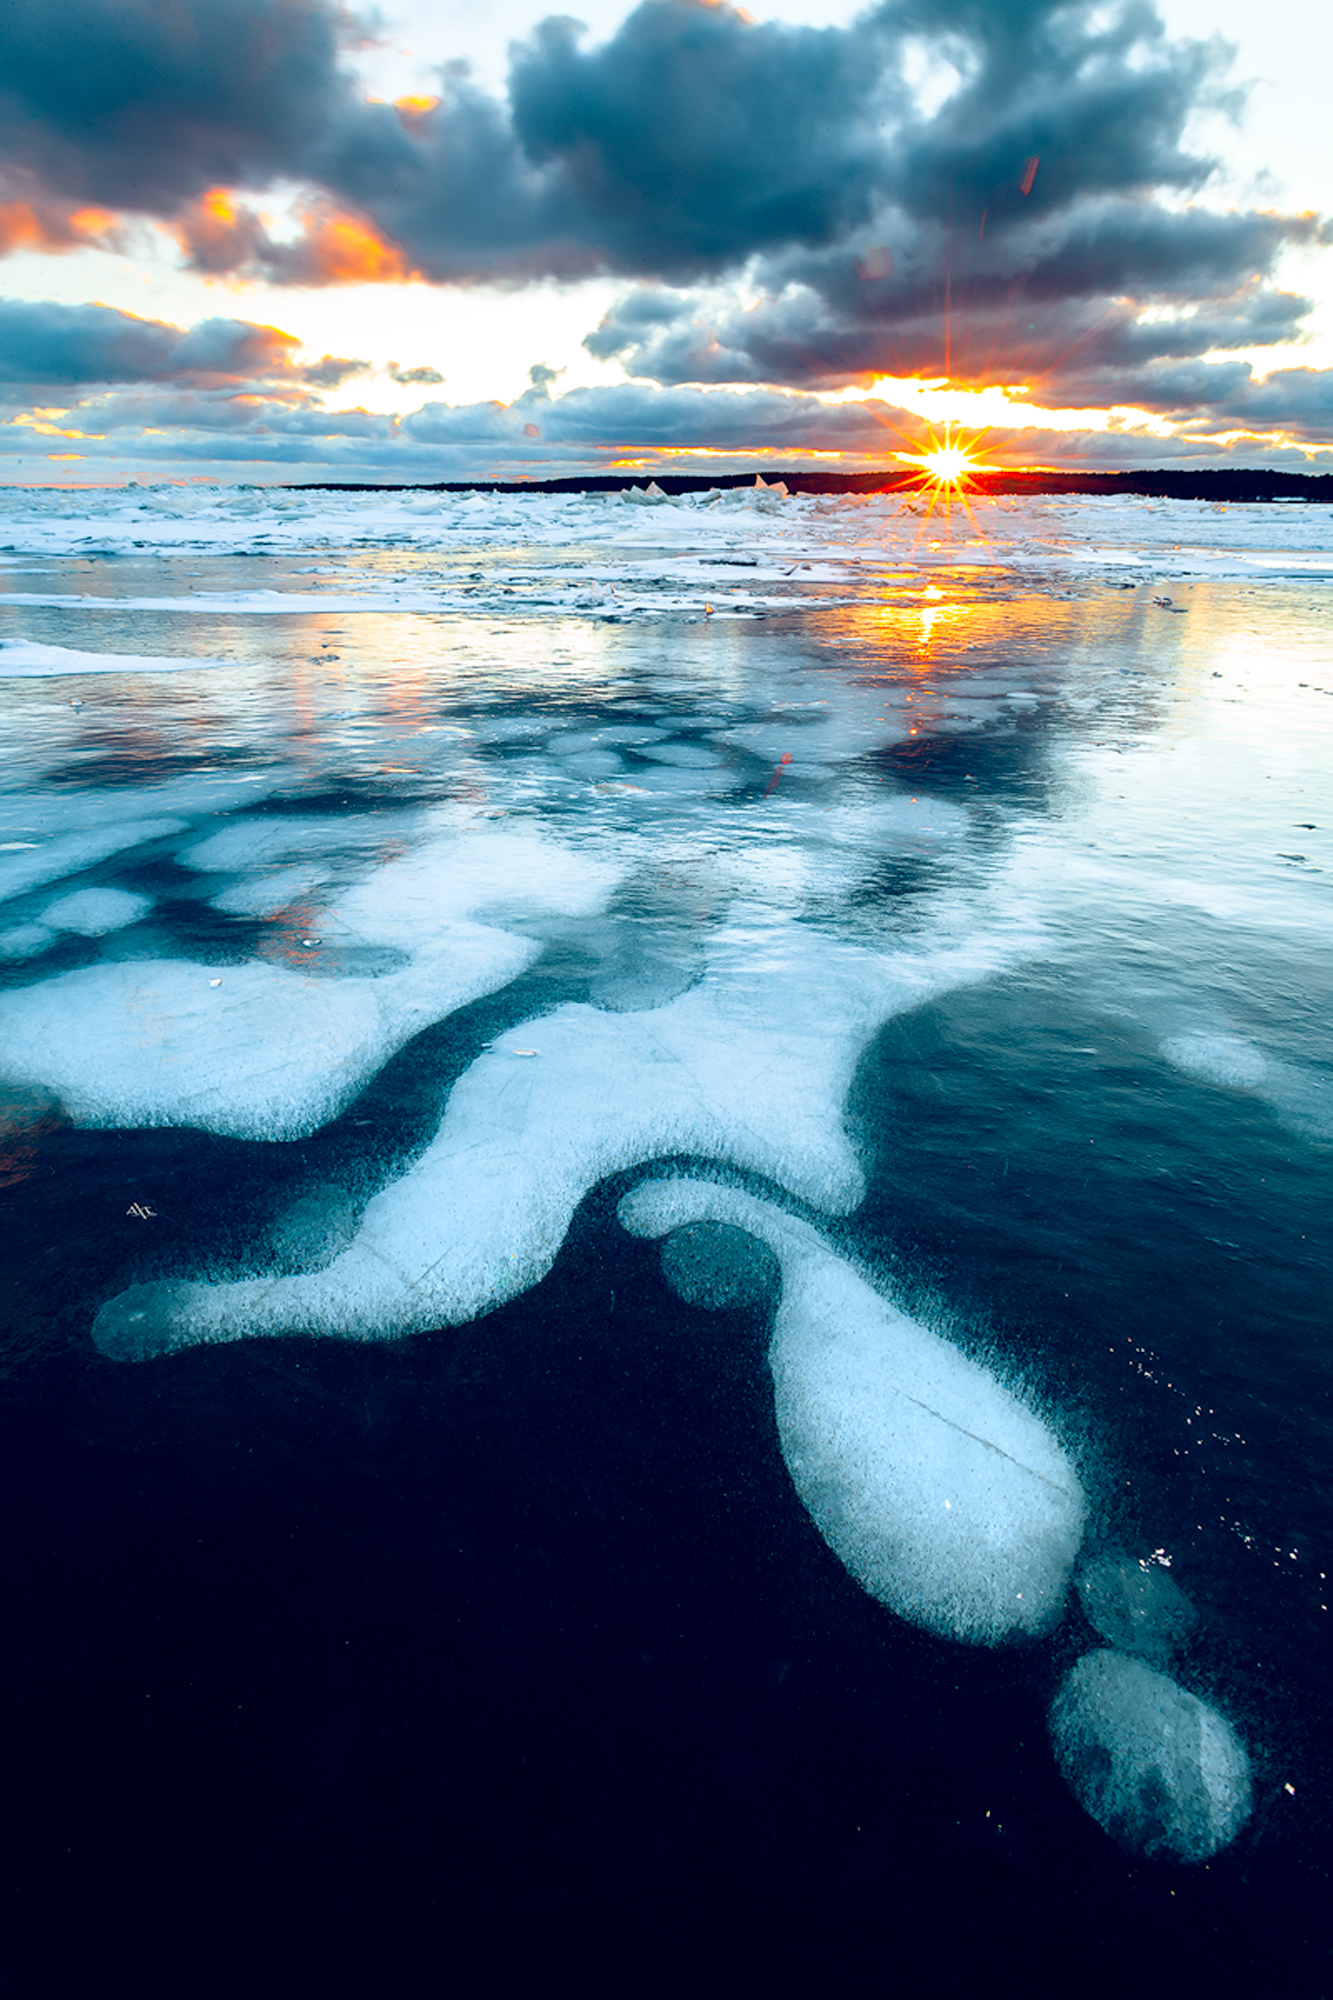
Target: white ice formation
[(269, 1051), (751, 1066), (942, 1493), (854, 536), (95, 912), (27, 659), (1162, 1771)]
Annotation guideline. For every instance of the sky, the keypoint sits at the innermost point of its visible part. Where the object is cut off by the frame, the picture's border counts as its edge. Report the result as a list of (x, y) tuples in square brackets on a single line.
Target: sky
[(290, 240)]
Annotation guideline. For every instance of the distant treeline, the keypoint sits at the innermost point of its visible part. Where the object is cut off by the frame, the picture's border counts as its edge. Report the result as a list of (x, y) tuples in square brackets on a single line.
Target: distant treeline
[(1169, 485)]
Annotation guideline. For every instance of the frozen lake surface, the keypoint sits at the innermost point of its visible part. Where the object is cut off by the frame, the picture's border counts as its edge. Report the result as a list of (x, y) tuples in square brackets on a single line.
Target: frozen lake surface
[(668, 1173)]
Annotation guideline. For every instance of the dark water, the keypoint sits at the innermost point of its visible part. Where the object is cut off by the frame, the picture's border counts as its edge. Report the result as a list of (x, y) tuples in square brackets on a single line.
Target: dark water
[(506, 1652)]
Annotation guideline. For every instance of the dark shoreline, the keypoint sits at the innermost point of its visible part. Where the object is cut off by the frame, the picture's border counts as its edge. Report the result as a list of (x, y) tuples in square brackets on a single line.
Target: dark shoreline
[(1256, 485)]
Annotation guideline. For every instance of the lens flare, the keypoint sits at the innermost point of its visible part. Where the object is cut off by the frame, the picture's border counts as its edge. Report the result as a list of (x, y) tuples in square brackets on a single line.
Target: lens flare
[(949, 464), (946, 464)]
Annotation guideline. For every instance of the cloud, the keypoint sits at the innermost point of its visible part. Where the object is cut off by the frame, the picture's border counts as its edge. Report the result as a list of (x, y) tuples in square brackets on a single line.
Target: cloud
[(1069, 330), (626, 429), (606, 420), (220, 235), (31, 219), (181, 415), (791, 213), (141, 106), (1297, 402), (57, 346), (688, 142)]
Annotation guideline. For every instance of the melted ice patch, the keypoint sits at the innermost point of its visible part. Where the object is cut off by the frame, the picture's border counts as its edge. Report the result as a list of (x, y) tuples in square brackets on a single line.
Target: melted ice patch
[(943, 1494)]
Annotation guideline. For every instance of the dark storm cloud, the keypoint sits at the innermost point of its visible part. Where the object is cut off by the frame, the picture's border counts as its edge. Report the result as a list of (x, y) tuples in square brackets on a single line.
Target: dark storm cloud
[(141, 104), (1017, 232), (57, 346), (685, 142), (688, 142), (1053, 328)]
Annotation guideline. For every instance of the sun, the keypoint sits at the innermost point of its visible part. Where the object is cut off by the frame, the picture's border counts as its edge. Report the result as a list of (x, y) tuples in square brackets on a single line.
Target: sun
[(949, 464), (945, 474), (946, 464)]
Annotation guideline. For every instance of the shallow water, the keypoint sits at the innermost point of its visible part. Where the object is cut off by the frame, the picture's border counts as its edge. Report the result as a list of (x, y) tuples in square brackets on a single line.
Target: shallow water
[(399, 1558)]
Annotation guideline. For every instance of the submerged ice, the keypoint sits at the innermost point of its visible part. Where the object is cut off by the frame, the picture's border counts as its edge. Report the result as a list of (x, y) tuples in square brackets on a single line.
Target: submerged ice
[(1161, 1770), (737, 850)]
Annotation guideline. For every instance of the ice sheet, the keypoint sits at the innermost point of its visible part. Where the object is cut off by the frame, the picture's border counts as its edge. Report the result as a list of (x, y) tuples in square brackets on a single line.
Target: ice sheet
[(742, 549)]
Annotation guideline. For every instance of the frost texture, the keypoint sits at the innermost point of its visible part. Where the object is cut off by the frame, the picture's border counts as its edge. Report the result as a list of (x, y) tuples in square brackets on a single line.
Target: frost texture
[(943, 1494), (1160, 1770)]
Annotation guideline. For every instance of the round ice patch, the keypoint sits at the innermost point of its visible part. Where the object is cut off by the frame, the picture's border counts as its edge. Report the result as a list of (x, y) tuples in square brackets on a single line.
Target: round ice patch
[(1163, 1773)]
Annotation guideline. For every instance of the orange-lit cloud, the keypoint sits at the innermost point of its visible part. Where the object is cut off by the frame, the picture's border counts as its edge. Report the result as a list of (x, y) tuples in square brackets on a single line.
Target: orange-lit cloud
[(27, 225), (414, 110), (224, 236), (339, 250)]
